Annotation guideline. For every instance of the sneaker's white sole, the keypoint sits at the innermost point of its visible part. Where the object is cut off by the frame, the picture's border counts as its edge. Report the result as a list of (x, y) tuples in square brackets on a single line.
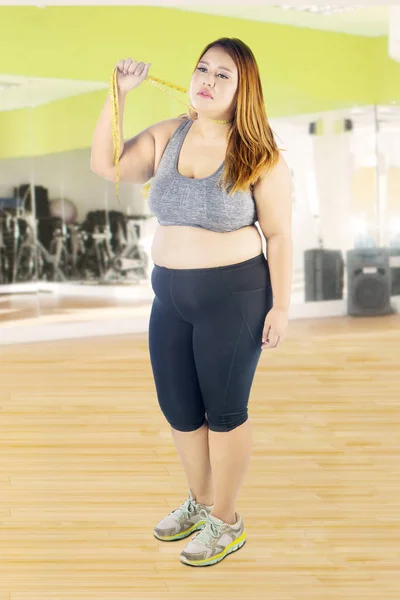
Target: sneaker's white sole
[(183, 534), (232, 547)]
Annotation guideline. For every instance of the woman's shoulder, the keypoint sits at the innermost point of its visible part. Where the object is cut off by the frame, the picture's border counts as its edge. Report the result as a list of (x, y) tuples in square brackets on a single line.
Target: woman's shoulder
[(164, 130)]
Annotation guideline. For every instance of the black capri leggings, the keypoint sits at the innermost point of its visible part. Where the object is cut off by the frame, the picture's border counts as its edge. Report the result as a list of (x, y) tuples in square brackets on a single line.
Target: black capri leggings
[(205, 341)]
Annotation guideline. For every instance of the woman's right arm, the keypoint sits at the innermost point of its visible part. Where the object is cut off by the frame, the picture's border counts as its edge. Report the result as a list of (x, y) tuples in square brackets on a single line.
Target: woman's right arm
[(136, 162), (137, 156)]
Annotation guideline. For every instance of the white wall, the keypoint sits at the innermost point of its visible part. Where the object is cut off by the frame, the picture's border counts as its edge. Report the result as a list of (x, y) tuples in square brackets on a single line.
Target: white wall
[(326, 201), (322, 168)]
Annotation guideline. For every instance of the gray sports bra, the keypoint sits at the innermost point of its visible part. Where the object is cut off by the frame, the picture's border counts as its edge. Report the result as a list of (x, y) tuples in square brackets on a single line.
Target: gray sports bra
[(178, 200)]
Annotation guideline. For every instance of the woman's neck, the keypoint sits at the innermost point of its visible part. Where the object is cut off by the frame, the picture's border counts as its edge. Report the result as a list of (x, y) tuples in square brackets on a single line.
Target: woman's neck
[(210, 131)]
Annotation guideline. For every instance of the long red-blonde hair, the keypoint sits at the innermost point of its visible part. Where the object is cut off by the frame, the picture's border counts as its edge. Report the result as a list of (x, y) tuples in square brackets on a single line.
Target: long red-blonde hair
[(251, 149)]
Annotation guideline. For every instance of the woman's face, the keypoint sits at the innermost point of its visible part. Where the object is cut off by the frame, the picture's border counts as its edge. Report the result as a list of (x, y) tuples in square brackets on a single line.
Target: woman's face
[(217, 73)]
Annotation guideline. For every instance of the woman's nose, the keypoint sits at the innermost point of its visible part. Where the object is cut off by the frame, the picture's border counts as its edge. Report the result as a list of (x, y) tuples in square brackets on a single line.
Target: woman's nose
[(207, 80)]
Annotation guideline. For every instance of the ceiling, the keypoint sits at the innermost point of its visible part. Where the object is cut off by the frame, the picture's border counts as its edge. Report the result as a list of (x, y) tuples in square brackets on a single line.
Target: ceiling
[(368, 21), (371, 20)]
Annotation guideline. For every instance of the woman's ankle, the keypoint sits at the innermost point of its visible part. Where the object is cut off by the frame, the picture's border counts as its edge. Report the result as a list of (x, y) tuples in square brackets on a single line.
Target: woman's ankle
[(205, 501)]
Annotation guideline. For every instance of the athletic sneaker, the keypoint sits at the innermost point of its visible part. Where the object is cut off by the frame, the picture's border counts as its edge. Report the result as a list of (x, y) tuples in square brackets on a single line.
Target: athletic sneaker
[(183, 521), (216, 540)]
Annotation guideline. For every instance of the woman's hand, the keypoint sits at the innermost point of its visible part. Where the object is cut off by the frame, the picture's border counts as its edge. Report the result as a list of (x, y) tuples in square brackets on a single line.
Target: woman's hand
[(275, 327), (130, 74)]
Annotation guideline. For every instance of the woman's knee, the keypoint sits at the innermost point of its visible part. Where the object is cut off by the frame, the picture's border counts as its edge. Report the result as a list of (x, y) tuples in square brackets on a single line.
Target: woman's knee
[(227, 421), (187, 426)]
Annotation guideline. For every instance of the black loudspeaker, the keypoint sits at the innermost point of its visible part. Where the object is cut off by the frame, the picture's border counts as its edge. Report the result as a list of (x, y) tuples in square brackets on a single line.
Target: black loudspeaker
[(41, 199), (324, 271), (394, 262), (348, 125), (368, 282), (312, 128)]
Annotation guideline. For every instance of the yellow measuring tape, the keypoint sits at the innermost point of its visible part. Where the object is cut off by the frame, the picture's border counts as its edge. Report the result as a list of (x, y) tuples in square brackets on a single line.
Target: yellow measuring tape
[(115, 113)]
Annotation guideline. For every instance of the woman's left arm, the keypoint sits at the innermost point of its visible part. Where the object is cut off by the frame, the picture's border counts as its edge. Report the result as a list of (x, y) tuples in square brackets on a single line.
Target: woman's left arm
[(273, 196)]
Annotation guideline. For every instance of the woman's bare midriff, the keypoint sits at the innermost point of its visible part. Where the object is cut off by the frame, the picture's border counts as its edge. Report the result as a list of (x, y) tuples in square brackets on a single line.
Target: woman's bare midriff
[(195, 248)]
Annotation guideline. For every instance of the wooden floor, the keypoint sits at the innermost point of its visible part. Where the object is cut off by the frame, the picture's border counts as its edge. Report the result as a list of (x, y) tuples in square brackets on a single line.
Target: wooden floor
[(88, 467), (21, 308)]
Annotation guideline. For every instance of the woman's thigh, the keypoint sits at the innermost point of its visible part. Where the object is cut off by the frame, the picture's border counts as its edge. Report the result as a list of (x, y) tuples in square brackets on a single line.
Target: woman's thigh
[(174, 369), (227, 339), (226, 351)]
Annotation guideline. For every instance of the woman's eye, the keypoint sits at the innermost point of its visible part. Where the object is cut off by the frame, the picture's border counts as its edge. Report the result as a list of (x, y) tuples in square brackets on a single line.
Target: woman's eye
[(204, 69)]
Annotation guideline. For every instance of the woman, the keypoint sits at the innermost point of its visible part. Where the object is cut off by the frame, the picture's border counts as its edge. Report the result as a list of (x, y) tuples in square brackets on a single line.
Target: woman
[(218, 301)]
